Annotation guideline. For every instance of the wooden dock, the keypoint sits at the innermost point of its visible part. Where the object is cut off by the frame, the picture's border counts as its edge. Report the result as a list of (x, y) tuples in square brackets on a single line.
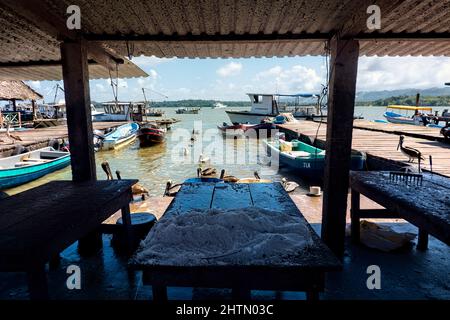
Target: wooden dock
[(39, 138), (382, 144)]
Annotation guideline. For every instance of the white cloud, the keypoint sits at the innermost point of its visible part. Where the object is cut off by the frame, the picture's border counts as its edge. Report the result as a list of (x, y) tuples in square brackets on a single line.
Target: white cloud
[(230, 69), (291, 80), (152, 61), (389, 73)]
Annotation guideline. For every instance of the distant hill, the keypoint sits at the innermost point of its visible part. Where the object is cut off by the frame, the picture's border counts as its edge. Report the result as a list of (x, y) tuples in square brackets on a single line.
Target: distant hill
[(409, 101), (364, 96)]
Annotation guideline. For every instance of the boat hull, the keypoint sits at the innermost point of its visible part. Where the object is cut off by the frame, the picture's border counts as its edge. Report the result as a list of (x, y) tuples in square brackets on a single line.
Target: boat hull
[(121, 137), (247, 117), (14, 177), (149, 138), (310, 167)]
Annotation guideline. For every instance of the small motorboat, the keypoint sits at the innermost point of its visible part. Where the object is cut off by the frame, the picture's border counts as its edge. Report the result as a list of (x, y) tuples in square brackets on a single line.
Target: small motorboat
[(151, 134), (418, 118), (245, 129), (187, 111), (306, 160), (120, 137), (25, 167)]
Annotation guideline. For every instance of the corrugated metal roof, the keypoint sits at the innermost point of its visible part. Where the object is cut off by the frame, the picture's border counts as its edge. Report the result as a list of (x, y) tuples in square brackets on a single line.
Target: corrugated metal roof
[(17, 90), (232, 28), (54, 72)]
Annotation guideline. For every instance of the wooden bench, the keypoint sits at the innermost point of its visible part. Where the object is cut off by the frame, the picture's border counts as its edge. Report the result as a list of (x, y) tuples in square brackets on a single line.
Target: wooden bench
[(36, 225), (426, 206), (305, 272)]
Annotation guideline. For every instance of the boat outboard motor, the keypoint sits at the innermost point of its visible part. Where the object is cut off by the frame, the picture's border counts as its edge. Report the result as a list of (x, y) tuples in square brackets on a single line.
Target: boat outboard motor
[(446, 133), (55, 144), (19, 149)]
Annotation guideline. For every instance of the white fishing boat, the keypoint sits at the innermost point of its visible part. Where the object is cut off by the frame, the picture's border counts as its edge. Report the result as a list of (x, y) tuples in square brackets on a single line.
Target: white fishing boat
[(417, 118), (271, 105), (114, 111), (122, 136)]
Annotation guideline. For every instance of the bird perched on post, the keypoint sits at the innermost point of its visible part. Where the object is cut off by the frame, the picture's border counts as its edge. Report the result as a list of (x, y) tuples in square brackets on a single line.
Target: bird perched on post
[(411, 153)]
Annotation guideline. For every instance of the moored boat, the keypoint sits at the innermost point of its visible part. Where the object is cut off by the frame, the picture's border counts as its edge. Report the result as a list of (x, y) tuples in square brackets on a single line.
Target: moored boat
[(25, 167), (150, 135), (245, 129), (187, 111), (122, 136), (419, 118), (270, 105), (306, 160)]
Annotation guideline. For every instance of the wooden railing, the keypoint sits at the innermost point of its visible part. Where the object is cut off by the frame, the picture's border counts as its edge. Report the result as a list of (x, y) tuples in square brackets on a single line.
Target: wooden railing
[(14, 119)]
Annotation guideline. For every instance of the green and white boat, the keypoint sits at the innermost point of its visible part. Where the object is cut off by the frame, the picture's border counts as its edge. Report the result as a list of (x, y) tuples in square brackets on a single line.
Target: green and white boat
[(306, 160), (25, 167)]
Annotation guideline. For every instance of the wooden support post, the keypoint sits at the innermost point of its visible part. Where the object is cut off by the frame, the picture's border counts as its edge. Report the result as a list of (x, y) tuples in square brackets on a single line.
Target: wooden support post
[(78, 108), (159, 293), (343, 71), (354, 213), (33, 104), (422, 242), (37, 282), (14, 105)]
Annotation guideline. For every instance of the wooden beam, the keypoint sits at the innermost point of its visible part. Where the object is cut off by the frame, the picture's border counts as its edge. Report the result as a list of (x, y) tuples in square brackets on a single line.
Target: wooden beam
[(78, 105), (40, 63), (54, 25), (231, 37), (342, 86)]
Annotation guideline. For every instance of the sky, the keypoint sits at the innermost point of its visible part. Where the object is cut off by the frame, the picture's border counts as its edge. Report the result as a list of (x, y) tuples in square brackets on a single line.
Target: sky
[(230, 79)]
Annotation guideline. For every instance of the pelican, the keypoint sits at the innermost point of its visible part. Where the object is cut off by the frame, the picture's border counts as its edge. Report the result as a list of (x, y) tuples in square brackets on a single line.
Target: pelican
[(256, 174), (227, 178), (171, 190), (136, 189), (107, 169), (205, 172), (411, 153), (289, 186), (13, 137), (203, 159)]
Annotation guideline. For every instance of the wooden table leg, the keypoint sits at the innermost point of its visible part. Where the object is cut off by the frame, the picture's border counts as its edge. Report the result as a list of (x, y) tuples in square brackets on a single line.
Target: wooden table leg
[(91, 243), (354, 213), (37, 282), (128, 236), (159, 293), (422, 242), (312, 295), (241, 293)]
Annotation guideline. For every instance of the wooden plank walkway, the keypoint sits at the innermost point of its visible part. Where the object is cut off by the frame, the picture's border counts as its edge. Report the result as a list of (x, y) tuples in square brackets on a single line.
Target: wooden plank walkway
[(43, 135), (405, 129), (382, 144)]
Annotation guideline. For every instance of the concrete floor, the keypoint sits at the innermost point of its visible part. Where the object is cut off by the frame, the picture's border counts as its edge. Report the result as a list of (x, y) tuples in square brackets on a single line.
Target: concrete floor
[(406, 274)]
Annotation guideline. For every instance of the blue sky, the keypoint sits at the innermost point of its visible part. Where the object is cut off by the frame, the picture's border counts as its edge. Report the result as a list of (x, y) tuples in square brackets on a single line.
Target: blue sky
[(230, 79)]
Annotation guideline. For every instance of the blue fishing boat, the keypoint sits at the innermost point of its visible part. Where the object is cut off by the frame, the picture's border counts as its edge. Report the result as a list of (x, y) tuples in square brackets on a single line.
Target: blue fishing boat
[(308, 161), (122, 136), (25, 167)]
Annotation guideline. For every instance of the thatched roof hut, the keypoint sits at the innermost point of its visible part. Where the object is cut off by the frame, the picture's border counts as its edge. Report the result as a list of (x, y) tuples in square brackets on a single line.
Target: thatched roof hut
[(17, 90)]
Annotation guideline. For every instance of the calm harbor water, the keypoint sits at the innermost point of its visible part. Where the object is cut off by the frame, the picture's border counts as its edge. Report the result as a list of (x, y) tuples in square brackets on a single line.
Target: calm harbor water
[(177, 158)]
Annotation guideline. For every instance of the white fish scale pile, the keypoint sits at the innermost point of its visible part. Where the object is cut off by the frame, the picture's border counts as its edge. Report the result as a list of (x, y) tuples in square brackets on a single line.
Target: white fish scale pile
[(245, 236)]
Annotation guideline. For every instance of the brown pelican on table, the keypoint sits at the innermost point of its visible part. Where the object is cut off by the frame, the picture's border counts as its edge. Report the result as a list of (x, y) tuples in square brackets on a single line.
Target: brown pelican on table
[(411, 153), (136, 189), (172, 190), (207, 172), (227, 178), (289, 186)]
